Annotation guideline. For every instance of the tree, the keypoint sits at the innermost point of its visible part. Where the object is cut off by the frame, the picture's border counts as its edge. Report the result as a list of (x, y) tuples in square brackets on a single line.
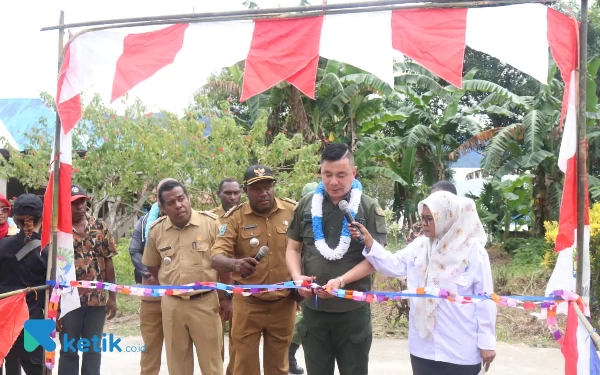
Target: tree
[(123, 158)]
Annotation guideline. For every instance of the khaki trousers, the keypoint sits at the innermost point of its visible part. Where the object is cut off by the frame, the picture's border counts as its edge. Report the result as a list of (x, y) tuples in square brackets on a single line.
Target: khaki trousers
[(274, 320), (229, 370), (151, 326), (193, 321)]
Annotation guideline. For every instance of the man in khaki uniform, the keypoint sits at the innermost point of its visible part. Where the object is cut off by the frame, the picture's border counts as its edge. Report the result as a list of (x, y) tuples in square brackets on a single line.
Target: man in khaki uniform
[(230, 193), (150, 311), (262, 221), (178, 253)]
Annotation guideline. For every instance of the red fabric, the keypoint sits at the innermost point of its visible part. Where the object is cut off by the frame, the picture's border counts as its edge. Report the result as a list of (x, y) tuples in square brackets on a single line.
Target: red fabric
[(144, 55), (434, 38), (4, 226), (562, 38), (14, 313), (569, 344), (64, 200), (283, 50), (70, 110)]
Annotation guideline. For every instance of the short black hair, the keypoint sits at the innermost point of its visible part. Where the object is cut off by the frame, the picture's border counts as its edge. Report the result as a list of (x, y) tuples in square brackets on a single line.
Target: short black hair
[(337, 151), (444, 186), (227, 180), (168, 186)]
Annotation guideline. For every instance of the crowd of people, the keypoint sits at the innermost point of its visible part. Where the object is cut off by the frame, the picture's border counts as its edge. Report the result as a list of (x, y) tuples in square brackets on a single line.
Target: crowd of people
[(310, 240)]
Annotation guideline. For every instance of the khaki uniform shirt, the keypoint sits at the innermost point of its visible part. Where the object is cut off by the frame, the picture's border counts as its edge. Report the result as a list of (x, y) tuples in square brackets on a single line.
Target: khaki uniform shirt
[(314, 264), (182, 254), (219, 211), (241, 228)]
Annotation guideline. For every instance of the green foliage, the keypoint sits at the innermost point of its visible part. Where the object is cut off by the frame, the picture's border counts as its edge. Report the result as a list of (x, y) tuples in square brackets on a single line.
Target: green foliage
[(527, 251), (125, 276)]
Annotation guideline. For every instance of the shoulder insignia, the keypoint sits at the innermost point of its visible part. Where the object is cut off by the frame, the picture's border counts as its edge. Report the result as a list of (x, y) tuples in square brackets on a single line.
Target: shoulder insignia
[(290, 201), (210, 214), (231, 210), (159, 220)]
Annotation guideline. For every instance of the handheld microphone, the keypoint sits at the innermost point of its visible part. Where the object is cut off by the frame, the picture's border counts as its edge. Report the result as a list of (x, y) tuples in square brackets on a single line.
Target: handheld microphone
[(262, 252), (348, 215)]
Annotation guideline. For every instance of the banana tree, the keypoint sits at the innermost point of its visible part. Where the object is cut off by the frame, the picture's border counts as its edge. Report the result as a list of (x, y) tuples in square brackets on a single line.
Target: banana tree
[(417, 133)]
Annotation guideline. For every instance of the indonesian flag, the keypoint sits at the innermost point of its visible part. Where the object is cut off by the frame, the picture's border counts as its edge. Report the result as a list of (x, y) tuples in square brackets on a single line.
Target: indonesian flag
[(578, 349), (65, 267)]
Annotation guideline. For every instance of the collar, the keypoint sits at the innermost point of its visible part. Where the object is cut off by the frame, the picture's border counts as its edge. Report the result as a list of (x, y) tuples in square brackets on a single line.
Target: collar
[(247, 210), (346, 197), (194, 220), (88, 220)]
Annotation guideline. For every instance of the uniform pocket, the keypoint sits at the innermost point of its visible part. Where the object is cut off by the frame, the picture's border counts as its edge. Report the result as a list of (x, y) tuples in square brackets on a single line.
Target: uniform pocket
[(201, 253), (167, 259)]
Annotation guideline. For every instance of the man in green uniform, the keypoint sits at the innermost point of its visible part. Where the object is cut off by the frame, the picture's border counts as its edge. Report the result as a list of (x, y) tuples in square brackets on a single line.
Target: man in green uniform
[(336, 329)]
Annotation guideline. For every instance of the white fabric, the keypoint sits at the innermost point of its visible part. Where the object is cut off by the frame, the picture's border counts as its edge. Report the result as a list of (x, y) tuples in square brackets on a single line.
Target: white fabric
[(93, 62), (515, 34), (172, 88), (360, 39), (457, 227), (8, 137), (65, 272), (461, 330), (568, 145)]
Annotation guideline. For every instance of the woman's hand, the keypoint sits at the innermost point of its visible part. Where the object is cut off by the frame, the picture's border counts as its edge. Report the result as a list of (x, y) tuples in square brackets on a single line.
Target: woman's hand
[(365, 233)]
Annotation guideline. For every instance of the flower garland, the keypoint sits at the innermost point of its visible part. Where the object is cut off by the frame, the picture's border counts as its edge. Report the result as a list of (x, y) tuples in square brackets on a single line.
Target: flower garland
[(317, 222)]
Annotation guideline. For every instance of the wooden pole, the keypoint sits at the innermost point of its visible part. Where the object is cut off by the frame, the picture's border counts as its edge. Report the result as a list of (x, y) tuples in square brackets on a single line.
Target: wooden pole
[(581, 148), (586, 323), (51, 270), (15, 292), (304, 11)]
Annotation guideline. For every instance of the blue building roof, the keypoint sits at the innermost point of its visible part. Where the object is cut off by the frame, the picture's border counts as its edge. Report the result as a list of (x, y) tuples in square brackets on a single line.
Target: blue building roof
[(21, 115)]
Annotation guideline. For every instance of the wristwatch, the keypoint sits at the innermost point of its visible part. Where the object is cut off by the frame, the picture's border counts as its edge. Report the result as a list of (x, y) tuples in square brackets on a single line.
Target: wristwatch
[(342, 283)]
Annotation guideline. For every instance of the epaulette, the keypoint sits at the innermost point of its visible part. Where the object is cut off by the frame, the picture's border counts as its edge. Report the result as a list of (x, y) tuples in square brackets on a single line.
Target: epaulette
[(210, 214), (160, 219), (290, 201), (231, 210)]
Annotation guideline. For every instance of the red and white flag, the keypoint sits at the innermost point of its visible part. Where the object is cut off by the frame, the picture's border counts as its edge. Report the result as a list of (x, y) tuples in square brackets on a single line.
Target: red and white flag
[(65, 267), (577, 347)]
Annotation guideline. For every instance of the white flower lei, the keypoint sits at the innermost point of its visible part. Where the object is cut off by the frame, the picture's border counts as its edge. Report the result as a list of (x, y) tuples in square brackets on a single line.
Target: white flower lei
[(317, 222)]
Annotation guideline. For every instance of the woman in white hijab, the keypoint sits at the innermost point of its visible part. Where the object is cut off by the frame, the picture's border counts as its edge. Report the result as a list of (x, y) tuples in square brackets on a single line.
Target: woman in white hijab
[(445, 338)]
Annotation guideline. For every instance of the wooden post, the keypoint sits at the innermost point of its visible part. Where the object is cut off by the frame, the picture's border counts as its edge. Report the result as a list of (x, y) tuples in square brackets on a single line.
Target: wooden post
[(581, 148), (51, 270)]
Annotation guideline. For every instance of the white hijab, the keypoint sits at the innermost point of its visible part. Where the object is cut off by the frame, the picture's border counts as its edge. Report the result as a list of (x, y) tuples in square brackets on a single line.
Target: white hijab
[(457, 228)]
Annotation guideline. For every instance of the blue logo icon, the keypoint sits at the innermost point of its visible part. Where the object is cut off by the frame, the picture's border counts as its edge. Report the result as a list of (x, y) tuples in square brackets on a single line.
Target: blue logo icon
[(37, 333)]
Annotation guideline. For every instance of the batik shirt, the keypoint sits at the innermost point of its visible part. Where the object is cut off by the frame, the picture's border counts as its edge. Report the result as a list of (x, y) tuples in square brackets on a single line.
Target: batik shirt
[(92, 248)]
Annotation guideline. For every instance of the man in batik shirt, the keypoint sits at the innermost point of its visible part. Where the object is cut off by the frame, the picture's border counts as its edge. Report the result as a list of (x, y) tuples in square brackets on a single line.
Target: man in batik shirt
[(94, 248)]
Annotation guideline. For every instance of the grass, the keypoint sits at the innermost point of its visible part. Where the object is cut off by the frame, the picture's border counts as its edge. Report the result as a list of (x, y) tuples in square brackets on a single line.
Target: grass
[(126, 323)]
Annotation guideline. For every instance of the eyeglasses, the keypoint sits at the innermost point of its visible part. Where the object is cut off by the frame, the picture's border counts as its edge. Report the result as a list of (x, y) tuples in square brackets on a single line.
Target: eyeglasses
[(5, 210), (427, 220)]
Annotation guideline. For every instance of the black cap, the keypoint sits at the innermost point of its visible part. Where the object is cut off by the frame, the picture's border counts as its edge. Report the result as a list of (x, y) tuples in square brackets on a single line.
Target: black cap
[(28, 204), (77, 192), (257, 173)]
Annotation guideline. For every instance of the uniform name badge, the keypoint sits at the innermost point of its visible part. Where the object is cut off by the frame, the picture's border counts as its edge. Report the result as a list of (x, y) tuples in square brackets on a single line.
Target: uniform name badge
[(167, 260), (254, 242)]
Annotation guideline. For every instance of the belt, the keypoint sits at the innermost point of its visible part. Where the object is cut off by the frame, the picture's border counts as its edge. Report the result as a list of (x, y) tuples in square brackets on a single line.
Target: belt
[(194, 296)]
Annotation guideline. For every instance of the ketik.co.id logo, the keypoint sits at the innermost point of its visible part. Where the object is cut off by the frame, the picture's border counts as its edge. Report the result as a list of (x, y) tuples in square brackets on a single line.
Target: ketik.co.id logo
[(38, 333)]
